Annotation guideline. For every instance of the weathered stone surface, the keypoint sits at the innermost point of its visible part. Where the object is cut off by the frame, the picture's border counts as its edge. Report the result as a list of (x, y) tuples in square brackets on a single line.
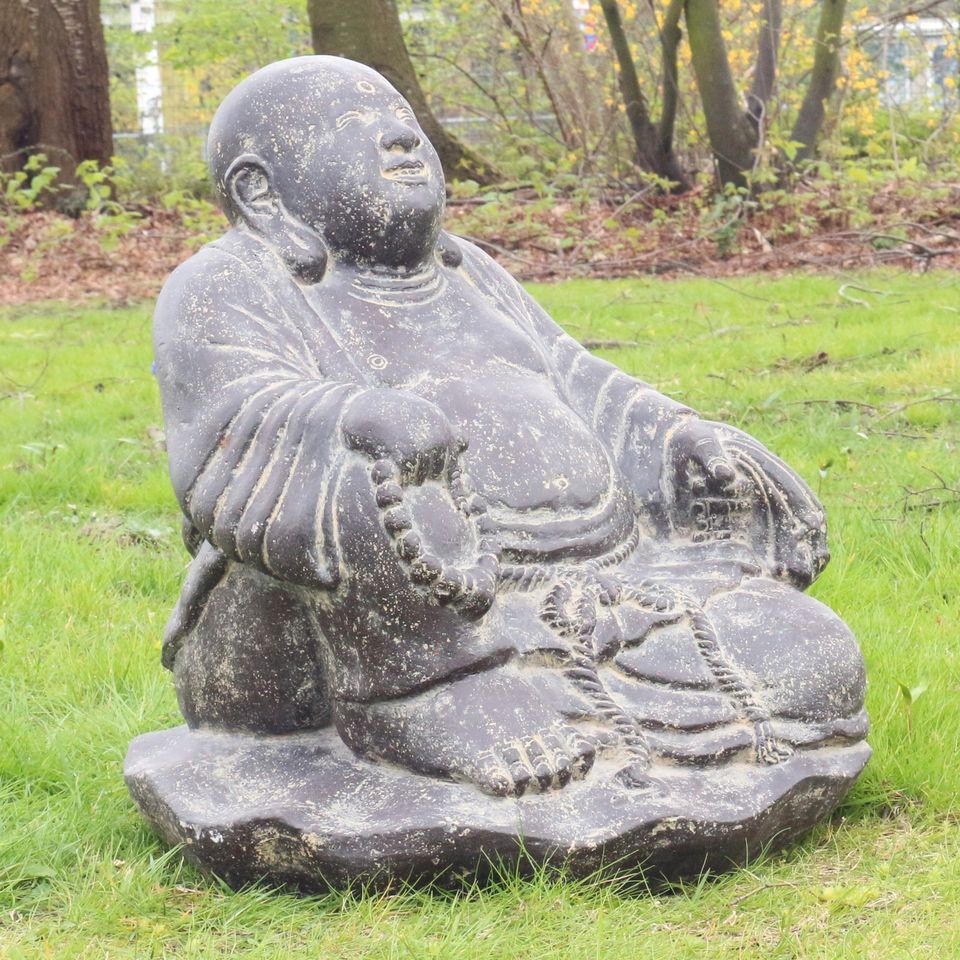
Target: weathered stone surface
[(301, 809), (455, 580)]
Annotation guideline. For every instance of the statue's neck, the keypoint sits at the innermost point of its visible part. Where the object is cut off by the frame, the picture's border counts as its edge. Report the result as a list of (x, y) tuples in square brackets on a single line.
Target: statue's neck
[(394, 285)]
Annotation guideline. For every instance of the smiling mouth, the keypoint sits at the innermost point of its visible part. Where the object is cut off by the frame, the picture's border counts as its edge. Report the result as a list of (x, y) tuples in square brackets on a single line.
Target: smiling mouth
[(410, 171)]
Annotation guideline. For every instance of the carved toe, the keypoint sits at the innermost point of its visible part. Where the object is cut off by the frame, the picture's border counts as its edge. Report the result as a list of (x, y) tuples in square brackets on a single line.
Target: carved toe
[(493, 778), (562, 761), (584, 755), (520, 772), (540, 760)]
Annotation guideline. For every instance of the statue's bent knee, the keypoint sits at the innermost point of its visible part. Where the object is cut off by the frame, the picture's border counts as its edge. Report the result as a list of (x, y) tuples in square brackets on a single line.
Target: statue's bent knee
[(805, 661), (251, 661)]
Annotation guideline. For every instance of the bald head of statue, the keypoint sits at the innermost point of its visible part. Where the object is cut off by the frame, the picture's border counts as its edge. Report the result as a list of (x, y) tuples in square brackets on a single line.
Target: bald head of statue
[(323, 158)]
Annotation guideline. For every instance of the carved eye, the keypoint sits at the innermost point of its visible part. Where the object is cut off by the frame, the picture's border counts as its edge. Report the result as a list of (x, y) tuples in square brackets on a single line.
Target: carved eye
[(361, 116), (403, 113)]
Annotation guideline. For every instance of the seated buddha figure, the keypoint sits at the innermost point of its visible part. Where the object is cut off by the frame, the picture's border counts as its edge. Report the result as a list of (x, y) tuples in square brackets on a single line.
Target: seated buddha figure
[(423, 514)]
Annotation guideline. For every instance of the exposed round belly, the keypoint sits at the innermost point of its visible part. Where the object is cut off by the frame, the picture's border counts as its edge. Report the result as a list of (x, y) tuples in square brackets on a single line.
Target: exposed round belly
[(546, 477)]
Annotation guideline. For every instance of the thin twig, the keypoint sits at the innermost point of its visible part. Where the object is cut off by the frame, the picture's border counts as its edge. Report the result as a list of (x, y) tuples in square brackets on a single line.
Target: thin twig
[(852, 286), (903, 436), (609, 344), (933, 231), (900, 407), (727, 286), (941, 486), (760, 889), (833, 402), (480, 242)]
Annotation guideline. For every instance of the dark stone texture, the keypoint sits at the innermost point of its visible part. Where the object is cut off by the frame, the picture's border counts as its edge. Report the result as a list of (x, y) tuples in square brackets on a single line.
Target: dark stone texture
[(455, 580), (304, 811)]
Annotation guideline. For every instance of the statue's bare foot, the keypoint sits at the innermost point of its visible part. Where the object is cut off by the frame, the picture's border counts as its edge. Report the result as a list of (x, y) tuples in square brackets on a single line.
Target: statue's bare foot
[(551, 758), (503, 730)]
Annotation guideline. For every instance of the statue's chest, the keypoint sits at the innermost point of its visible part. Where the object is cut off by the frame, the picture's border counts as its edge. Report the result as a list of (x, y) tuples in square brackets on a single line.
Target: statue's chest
[(529, 450), (453, 336)]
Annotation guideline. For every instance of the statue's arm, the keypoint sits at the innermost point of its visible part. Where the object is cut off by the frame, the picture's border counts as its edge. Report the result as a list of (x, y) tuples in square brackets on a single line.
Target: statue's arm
[(258, 436), (676, 462), (682, 468), (253, 427)]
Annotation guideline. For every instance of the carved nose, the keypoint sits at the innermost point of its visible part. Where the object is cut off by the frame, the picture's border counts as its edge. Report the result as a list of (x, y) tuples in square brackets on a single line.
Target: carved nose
[(400, 137)]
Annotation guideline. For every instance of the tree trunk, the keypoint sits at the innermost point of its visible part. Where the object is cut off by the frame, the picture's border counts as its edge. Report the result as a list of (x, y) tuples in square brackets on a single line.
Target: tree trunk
[(370, 32), (765, 73), (733, 136), (54, 85), (670, 36), (654, 147), (823, 79)]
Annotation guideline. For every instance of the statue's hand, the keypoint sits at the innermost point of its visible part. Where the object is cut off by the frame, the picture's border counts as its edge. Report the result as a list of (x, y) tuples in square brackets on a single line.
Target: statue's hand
[(696, 461), (404, 428), (410, 441), (719, 473), (794, 517)]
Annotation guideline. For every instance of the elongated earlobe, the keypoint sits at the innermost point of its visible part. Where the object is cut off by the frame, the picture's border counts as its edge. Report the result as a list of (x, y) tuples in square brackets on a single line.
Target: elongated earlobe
[(247, 190), (302, 250), (449, 250), (252, 199)]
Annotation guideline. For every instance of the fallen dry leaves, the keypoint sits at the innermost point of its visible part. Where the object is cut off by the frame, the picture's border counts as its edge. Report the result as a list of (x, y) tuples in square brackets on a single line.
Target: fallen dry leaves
[(45, 256)]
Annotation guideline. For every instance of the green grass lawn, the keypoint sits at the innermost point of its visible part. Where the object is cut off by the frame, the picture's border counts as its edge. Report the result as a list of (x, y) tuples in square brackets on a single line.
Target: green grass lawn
[(90, 566)]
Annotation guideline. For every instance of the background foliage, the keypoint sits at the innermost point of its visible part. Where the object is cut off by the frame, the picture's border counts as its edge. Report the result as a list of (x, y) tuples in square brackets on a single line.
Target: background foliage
[(533, 83)]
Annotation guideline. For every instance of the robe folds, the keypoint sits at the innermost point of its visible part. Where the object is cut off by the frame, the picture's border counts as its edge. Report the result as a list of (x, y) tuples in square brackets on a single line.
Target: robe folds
[(254, 383)]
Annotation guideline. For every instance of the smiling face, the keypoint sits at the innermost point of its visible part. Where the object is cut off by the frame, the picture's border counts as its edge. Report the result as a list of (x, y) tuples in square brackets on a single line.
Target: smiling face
[(343, 152), (367, 177)]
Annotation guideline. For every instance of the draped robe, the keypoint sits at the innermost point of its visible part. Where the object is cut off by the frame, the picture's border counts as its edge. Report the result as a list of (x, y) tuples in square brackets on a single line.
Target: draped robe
[(253, 383)]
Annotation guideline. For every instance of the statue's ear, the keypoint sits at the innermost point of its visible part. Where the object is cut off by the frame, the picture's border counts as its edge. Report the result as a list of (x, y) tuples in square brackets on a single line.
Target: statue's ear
[(247, 184), (449, 250)]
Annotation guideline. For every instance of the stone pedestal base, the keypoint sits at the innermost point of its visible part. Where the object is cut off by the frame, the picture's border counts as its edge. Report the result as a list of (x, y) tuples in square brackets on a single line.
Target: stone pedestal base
[(303, 810)]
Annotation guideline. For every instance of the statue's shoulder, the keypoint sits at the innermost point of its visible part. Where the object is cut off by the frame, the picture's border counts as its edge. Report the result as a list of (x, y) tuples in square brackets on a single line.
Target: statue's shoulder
[(477, 264), (487, 276), (230, 259), (223, 273)]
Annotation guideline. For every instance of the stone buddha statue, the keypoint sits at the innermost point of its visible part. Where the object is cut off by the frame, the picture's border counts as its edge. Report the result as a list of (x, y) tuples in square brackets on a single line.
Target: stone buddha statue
[(445, 559)]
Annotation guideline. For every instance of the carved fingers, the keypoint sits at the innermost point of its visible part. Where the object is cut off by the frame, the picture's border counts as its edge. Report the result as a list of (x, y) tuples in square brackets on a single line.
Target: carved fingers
[(698, 460), (410, 432), (470, 588), (717, 473), (796, 517)]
